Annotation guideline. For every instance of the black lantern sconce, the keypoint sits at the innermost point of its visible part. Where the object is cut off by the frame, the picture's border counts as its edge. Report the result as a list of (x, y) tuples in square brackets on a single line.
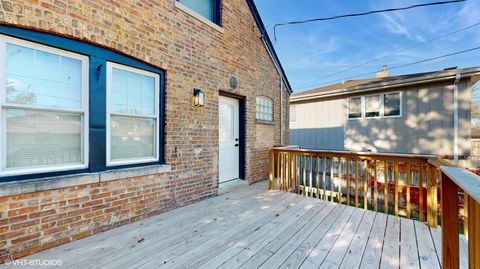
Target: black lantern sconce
[(198, 97)]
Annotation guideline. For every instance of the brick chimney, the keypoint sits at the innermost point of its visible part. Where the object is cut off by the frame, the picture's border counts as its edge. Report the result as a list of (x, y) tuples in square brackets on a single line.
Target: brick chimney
[(383, 73)]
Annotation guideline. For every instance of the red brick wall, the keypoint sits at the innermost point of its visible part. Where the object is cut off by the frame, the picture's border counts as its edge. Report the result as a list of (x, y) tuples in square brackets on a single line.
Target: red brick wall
[(193, 55), (35, 221)]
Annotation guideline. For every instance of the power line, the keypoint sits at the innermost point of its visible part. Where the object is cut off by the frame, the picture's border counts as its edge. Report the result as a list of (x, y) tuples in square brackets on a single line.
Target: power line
[(414, 63), (388, 55), (361, 14)]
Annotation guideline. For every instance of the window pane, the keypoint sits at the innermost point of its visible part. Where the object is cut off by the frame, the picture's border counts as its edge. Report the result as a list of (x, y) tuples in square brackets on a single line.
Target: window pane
[(39, 78), (39, 138), (226, 133), (132, 93), (202, 7), (372, 106), (132, 137), (355, 107), (264, 109), (392, 104)]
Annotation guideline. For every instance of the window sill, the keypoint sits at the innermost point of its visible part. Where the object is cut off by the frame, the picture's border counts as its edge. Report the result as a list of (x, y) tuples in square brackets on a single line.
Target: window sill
[(197, 16), (50, 183), (265, 122), (377, 118)]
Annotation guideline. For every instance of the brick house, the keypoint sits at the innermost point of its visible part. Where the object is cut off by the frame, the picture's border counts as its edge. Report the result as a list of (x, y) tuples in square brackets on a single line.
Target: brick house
[(113, 111)]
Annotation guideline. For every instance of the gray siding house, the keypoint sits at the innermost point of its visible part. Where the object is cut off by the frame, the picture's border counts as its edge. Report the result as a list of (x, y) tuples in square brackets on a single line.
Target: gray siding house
[(424, 113)]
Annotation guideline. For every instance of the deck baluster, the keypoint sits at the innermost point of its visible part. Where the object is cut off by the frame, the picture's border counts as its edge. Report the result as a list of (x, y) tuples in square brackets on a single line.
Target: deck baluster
[(356, 182), (347, 175), (375, 186), (332, 164), (396, 196), (317, 178), (365, 184), (324, 176), (432, 208), (408, 206), (310, 181), (420, 190), (385, 188), (340, 179)]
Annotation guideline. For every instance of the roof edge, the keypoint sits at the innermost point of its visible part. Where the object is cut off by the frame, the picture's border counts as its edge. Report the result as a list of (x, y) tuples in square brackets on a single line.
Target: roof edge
[(466, 72), (268, 44)]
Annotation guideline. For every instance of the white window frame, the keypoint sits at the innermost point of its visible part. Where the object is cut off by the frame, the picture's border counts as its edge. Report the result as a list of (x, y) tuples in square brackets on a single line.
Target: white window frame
[(361, 107), (110, 162), (84, 111), (382, 106), (364, 106), (401, 105), (256, 108)]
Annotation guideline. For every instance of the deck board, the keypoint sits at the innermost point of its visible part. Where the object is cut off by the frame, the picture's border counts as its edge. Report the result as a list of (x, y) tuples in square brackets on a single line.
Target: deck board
[(296, 258), (255, 228), (408, 248), (426, 247), (373, 252), (391, 244), (353, 257)]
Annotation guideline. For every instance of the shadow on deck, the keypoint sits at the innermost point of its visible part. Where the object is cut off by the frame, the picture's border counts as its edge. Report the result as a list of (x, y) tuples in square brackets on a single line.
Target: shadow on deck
[(255, 228)]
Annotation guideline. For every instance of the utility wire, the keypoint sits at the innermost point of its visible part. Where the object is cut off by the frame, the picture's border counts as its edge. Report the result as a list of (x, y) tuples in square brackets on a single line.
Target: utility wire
[(388, 55), (409, 64), (361, 14)]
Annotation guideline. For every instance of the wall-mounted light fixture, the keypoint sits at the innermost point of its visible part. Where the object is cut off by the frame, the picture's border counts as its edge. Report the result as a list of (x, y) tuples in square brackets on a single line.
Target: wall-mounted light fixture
[(198, 97)]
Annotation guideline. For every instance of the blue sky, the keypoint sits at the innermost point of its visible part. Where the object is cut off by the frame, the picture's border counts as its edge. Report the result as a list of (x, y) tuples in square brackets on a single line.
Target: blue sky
[(311, 51)]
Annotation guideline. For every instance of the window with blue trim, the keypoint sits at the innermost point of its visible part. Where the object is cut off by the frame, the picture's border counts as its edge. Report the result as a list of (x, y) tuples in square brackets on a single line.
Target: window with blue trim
[(44, 108), (209, 9), (71, 107), (132, 115)]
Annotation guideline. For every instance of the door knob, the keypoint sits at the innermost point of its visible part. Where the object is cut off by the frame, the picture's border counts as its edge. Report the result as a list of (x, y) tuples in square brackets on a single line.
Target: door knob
[(236, 145)]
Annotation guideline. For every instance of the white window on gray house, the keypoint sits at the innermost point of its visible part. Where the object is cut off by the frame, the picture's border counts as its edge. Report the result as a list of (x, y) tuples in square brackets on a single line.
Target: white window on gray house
[(355, 107), (391, 104), (43, 108), (372, 106), (475, 118), (264, 109), (132, 115), (293, 113)]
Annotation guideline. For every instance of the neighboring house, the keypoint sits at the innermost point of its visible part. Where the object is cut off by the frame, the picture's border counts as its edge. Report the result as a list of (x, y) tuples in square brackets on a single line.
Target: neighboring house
[(113, 111), (425, 113)]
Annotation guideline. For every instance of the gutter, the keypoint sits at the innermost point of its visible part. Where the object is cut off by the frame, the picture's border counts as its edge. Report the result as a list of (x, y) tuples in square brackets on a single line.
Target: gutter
[(387, 85), (455, 116), (268, 44)]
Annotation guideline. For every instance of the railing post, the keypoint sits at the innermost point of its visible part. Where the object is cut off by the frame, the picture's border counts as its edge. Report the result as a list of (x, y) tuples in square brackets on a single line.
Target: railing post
[(450, 237), (432, 201), (272, 169), (473, 233)]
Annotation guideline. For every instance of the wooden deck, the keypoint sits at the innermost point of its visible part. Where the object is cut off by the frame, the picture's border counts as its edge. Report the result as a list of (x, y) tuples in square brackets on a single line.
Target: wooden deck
[(254, 228)]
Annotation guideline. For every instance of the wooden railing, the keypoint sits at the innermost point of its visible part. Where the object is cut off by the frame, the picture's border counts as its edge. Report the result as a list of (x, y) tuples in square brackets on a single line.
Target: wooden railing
[(453, 180), (400, 184)]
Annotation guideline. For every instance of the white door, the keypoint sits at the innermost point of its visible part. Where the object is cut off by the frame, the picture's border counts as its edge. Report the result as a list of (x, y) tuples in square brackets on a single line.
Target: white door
[(228, 110)]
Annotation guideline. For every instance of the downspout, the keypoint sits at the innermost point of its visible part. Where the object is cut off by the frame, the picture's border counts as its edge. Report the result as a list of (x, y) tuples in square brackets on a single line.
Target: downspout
[(281, 111), (455, 116)]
